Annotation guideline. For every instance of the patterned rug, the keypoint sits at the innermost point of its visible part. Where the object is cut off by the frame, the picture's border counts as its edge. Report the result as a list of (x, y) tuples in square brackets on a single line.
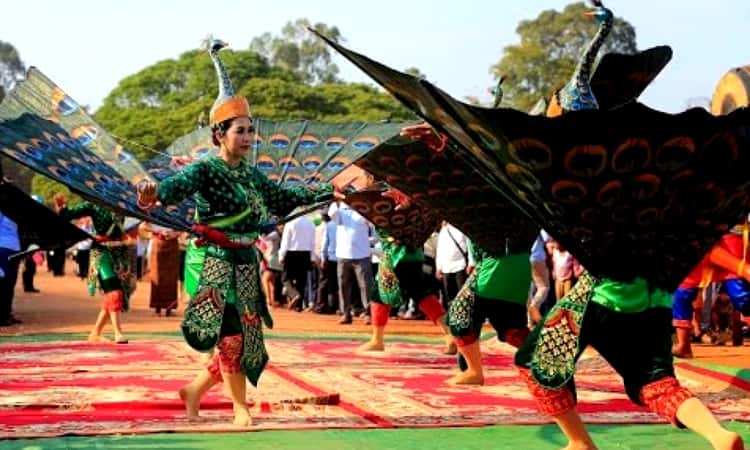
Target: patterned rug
[(76, 388)]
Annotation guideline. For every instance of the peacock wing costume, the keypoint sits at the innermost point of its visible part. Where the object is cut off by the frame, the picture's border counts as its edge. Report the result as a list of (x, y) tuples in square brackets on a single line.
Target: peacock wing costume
[(621, 78), (37, 224), (44, 129), (288, 152), (308, 153), (445, 185), (631, 192), (655, 189), (411, 225)]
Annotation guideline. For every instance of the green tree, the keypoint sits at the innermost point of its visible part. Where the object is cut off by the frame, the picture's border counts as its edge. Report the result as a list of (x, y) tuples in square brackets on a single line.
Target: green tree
[(298, 51), (415, 72), (11, 67), (164, 101), (549, 49)]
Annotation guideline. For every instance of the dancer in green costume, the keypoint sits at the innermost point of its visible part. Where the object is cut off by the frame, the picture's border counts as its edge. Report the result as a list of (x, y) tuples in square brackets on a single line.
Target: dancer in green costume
[(233, 198), (110, 269), (400, 277)]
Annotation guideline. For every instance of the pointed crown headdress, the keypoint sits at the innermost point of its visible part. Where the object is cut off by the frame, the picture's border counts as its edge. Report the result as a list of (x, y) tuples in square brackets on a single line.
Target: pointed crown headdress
[(227, 104)]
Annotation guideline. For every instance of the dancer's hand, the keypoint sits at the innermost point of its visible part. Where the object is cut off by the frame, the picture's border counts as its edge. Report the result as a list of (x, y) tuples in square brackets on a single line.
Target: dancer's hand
[(146, 192), (352, 177), (401, 200), (59, 200), (424, 133), (179, 162)]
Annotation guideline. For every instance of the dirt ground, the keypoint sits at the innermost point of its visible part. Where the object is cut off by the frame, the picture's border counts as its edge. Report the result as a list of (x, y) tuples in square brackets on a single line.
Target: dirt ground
[(63, 306)]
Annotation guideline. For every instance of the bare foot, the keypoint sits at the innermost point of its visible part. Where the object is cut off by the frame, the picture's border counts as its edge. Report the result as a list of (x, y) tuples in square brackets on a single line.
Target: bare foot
[(450, 348), (728, 441), (467, 378), (686, 353), (242, 417), (371, 346), (192, 403)]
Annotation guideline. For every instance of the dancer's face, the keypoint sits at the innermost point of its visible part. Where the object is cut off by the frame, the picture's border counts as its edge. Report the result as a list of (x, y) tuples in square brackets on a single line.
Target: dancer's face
[(238, 138)]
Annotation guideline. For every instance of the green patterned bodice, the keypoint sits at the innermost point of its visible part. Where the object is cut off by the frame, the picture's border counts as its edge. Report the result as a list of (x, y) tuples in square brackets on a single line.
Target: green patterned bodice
[(222, 191), (104, 221)]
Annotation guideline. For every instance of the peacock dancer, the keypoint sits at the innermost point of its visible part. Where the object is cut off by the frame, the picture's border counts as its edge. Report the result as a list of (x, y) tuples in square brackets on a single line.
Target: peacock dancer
[(400, 276), (110, 268), (607, 197), (233, 199), (496, 290), (601, 312)]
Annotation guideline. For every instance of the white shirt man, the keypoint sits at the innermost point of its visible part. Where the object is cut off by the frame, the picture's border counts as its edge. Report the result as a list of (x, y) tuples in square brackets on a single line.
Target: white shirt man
[(452, 250), (298, 236), (295, 254), (352, 232), (353, 253), (451, 259)]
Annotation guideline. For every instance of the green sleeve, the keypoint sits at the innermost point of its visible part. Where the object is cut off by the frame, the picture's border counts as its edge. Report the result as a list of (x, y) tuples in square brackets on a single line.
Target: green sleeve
[(183, 184), (282, 200)]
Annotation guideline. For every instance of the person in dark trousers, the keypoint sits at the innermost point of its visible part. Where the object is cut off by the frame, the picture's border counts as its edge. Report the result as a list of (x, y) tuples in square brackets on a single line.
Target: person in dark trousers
[(9, 245), (328, 286)]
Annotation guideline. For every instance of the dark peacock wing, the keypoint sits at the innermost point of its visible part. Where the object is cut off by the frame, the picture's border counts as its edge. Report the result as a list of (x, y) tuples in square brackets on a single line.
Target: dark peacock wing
[(45, 147), (620, 78), (635, 192), (37, 224), (38, 95), (412, 225), (444, 184), (631, 192), (412, 92), (310, 152)]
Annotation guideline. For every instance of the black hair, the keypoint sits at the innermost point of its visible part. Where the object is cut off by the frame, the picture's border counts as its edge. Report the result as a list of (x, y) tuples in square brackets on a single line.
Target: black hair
[(222, 128), (325, 217)]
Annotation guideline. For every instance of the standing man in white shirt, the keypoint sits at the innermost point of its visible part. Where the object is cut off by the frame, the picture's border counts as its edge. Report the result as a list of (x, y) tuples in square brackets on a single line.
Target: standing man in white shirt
[(451, 260), (353, 255), (295, 255), (328, 286), (10, 243)]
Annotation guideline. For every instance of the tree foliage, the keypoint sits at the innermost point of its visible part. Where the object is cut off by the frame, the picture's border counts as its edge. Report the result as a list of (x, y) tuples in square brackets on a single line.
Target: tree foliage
[(165, 100), (11, 67), (415, 72), (300, 52), (549, 49)]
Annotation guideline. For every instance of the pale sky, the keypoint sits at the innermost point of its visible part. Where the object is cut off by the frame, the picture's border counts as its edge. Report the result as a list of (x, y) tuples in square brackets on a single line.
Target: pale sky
[(88, 46)]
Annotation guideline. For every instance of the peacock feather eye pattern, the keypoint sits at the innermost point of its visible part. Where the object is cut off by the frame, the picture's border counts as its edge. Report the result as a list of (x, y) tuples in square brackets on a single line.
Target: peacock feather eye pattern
[(657, 190)]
